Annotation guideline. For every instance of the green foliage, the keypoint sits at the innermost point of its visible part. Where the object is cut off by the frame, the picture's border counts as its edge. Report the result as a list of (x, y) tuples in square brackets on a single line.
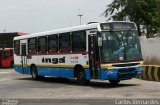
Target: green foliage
[(143, 12)]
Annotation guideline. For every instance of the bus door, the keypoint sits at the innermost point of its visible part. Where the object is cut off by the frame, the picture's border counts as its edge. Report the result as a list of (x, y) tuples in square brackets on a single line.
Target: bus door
[(92, 56), (23, 58)]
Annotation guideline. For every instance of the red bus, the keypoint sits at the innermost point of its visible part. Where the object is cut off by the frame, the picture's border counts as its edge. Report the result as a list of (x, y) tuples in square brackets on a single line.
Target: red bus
[(6, 48), (6, 58)]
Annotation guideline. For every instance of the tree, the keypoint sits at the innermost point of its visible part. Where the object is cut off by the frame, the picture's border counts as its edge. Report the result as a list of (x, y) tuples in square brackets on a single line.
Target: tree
[(143, 12)]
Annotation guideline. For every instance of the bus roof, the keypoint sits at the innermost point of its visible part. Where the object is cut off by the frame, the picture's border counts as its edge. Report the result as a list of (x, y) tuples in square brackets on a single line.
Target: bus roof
[(70, 29), (93, 25)]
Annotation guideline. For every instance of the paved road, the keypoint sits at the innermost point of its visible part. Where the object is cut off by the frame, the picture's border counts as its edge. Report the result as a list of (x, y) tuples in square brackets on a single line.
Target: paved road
[(17, 86)]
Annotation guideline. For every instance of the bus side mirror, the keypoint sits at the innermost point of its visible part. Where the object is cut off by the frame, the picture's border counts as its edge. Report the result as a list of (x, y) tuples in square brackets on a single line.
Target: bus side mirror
[(100, 41)]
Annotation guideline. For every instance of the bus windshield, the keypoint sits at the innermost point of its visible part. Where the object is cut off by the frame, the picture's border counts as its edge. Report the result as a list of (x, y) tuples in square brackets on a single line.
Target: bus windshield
[(121, 45), (6, 54)]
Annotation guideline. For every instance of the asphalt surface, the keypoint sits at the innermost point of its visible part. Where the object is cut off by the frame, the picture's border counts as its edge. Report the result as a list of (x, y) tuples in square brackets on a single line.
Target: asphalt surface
[(22, 88)]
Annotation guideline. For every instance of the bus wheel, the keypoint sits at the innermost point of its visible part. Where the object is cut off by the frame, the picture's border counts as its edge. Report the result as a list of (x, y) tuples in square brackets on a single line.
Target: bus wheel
[(114, 82), (34, 73), (81, 77)]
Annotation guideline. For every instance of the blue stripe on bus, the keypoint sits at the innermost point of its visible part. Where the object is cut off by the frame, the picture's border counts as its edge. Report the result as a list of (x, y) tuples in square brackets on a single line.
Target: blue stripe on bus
[(69, 73), (24, 70), (57, 72)]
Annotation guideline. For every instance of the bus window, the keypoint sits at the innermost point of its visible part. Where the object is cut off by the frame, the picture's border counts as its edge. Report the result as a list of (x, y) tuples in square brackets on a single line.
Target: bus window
[(6, 54), (52, 44), (42, 45), (79, 41), (64, 42), (17, 47), (32, 46)]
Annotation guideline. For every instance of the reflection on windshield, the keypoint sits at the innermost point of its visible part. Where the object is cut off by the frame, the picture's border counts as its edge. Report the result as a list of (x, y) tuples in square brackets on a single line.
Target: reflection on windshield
[(120, 46)]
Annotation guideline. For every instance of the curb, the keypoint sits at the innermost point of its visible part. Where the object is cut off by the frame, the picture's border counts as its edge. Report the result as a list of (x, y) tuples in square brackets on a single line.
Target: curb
[(151, 73)]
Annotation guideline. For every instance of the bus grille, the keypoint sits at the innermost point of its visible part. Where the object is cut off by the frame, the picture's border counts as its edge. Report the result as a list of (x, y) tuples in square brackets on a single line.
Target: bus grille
[(125, 76), (125, 65), (126, 70)]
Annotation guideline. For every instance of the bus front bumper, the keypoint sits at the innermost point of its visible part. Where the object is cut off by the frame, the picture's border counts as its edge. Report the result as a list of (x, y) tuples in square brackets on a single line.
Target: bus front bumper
[(121, 73)]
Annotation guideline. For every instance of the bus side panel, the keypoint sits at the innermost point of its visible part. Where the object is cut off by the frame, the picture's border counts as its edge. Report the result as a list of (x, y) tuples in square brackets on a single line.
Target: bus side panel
[(22, 70), (18, 69), (56, 72), (88, 74), (17, 64), (68, 73), (61, 65), (60, 72)]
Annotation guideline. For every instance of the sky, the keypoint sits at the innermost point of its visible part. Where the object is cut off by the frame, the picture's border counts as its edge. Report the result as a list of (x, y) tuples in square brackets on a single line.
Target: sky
[(33, 16)]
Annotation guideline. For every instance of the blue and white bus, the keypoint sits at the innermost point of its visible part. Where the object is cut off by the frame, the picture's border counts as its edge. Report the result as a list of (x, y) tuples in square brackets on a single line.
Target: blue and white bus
[(104, 51)]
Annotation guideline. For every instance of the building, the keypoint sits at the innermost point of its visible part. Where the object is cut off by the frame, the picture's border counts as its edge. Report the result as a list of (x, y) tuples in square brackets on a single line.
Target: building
[(6, 39)]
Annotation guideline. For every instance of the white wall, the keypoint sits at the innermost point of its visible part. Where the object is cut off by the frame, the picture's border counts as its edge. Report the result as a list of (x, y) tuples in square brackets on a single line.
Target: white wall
[(150, 50)]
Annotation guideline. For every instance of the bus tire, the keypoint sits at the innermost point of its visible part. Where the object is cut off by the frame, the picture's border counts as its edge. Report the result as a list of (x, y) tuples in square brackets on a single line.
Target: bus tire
[(114, 82), (34, 73), (81, 77)]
